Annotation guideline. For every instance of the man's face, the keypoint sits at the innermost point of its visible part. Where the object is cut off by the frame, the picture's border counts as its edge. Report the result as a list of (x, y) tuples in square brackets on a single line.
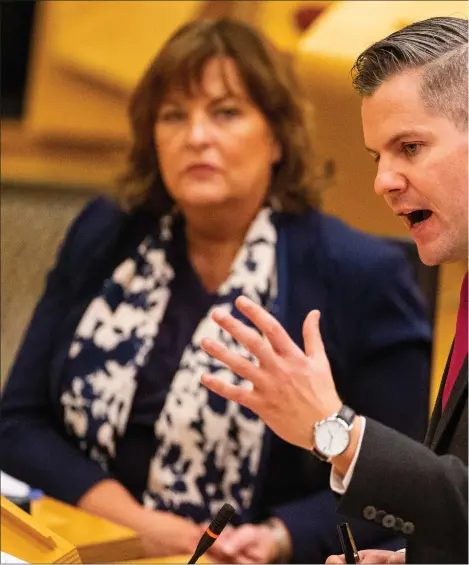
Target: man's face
[(422, 167)]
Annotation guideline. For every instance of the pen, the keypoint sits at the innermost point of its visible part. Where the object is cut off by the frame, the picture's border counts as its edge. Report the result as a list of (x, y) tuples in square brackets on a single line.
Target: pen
[(348, 544)]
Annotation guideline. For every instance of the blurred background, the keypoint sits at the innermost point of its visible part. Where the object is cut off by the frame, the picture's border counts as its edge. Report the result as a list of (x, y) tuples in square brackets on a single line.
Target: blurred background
[(67, 69)]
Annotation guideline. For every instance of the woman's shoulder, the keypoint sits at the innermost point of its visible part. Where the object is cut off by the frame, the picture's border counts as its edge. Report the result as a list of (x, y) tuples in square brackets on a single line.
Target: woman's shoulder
[(342, 248), (92, 231), (347, 243), (98, 216)]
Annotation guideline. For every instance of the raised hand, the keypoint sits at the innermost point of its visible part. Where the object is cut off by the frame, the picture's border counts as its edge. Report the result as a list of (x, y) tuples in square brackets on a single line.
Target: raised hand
[(291, 389)]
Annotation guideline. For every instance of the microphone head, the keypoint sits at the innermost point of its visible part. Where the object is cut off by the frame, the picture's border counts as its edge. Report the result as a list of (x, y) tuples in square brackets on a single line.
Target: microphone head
[(222, 518)]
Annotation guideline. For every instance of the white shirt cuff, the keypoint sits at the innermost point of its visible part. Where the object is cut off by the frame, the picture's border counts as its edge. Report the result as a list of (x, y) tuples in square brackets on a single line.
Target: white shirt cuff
[(338, 483)]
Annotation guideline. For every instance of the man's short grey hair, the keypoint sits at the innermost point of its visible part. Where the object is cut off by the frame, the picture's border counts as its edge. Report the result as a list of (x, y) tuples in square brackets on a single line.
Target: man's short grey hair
[(437, 46)]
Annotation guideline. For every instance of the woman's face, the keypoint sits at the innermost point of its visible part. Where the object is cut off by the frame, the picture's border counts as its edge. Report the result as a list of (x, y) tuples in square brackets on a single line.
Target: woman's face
[(215, 147)]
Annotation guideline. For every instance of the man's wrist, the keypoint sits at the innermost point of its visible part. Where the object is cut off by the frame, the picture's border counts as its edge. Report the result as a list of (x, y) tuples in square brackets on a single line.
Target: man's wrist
[(342, 462)]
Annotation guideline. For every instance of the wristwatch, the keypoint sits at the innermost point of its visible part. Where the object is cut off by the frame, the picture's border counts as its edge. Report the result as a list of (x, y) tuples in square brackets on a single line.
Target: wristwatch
[(332, 435)]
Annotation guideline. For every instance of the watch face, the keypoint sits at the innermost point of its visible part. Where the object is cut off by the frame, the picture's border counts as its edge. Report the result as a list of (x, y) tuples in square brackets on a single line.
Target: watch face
[(331, 437)]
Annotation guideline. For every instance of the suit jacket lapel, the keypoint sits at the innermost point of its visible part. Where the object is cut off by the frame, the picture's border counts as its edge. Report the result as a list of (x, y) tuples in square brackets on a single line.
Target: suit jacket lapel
[(459, 389), (436, 413)]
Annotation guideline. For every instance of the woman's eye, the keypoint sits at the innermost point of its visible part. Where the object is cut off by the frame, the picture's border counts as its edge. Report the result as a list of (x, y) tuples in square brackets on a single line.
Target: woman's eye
[(171, 116), (227, 112)]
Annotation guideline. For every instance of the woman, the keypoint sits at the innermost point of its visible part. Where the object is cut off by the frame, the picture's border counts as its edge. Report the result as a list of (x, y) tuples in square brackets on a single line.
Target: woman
[(104, 408)]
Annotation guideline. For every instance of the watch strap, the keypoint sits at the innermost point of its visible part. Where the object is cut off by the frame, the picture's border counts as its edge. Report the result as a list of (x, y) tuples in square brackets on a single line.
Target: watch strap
[(319, 455), (346, 414)]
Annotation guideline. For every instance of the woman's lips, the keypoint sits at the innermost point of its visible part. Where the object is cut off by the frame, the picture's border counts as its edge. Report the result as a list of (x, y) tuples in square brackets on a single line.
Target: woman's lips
[(201, 168)]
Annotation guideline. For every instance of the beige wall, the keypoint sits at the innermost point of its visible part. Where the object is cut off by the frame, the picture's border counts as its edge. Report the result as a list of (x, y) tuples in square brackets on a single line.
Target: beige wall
[(33, 220)]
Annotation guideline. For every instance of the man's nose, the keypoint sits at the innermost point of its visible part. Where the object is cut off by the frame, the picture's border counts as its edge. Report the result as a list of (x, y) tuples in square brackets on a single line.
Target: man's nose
[(387, 181)]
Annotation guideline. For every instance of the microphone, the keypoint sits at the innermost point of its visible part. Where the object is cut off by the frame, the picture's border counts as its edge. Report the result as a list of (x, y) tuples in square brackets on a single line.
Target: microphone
[(211, 534)]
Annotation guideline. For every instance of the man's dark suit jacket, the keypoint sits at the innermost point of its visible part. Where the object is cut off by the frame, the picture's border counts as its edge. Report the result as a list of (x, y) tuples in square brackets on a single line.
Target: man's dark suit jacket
[(419, 490)]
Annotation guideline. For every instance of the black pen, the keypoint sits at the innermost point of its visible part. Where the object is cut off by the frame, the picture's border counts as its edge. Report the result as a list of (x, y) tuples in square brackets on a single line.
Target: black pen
[(348, 544)]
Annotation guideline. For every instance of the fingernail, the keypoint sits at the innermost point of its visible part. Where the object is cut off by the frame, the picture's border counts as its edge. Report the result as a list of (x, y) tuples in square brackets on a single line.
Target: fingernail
[(218, 315), (242, 301)]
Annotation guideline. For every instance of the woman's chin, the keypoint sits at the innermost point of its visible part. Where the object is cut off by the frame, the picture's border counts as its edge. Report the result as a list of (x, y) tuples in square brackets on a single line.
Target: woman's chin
[(205, 199)]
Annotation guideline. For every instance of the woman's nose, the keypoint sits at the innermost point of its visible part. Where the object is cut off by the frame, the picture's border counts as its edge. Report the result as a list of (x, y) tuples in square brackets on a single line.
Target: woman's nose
[(198, 130)]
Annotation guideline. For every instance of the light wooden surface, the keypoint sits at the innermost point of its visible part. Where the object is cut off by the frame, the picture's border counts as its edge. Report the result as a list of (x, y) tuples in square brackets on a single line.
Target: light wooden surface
[(27, 538), (97, 540), (175, 559)]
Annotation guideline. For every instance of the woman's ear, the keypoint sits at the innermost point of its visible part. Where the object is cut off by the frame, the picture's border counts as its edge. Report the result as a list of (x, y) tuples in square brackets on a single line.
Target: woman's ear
[(277, 152)]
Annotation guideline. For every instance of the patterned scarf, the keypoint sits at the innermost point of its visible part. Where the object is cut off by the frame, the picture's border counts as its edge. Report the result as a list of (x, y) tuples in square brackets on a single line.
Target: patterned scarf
[(208, 449)]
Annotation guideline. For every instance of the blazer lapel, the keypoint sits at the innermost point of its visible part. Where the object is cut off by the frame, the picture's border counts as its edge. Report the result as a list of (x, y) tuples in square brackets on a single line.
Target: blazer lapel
[(459, 389), (436, 413)]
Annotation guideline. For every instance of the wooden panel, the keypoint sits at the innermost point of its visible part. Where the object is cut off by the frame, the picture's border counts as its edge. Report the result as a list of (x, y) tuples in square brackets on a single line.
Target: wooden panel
[(113, 42), (28, 539), (278, 20), (97, 540), (29, 158), (174, 559), (62, 105)]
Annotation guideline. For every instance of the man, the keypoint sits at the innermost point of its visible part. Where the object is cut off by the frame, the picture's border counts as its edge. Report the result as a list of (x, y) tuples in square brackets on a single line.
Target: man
[(414, 112)]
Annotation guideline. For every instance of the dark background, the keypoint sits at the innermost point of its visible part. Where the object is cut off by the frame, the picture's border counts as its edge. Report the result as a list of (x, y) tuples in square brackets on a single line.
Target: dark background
[(17, 18)]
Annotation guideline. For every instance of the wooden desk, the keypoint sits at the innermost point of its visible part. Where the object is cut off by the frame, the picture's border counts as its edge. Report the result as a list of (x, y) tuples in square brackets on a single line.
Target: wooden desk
[(30, 540), (97, 540), (175, 559)]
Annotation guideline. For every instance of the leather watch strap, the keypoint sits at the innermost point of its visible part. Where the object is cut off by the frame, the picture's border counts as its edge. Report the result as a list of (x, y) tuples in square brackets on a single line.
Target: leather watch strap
[(346, 414)]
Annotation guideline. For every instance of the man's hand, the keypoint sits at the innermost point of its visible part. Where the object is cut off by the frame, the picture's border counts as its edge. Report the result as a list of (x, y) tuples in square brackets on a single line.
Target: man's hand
[(372, 556), (292, 389), (246, 544)]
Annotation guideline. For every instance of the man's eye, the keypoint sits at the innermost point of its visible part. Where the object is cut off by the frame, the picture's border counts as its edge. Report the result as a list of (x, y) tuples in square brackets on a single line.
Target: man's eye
[(411, 149)]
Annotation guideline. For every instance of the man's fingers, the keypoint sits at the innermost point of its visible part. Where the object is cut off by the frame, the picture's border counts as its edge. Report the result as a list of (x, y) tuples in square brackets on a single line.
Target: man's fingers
[(335, 559), (381, 556), (397, 557), (248, 337), (237, 363), (228, 391), (312, 335), (372, 556), (268, 325)]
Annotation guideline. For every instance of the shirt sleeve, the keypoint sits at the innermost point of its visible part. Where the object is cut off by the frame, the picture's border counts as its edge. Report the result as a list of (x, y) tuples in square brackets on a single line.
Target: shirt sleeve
[(338, 483)]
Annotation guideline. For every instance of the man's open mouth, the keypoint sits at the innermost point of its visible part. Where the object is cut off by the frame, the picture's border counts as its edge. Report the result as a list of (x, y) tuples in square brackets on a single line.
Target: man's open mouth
[(416, 217)]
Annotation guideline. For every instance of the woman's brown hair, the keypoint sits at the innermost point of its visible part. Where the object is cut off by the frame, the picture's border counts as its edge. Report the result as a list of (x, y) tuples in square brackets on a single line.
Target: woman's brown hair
[(270, 82)]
